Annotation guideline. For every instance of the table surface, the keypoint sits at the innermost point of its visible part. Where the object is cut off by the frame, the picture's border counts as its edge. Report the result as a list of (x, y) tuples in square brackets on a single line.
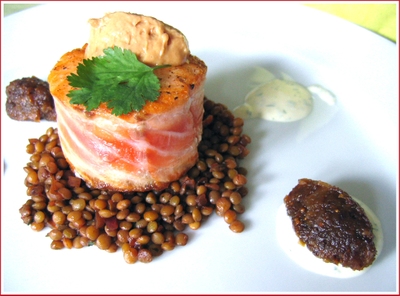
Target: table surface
[(379, 18)]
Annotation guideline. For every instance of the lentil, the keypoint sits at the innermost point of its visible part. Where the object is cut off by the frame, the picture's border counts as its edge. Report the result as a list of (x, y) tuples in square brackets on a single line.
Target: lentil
[(230, 216), (130, 255), (103, 241), (142, 224), (181, 239), (37, 226), (55, 234), (56, 245), (145, 256), (236, 226)]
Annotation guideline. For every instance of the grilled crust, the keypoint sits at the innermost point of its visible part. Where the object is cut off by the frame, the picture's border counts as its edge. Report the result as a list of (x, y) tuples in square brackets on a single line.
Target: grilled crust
[(176, 82)]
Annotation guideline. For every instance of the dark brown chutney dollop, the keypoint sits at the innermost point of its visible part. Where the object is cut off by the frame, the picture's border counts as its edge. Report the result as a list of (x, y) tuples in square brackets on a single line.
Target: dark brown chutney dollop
[(29, 99), (333, 226)]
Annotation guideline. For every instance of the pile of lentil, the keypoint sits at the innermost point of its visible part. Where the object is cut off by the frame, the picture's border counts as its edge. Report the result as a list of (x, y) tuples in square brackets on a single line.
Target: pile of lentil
[(142, 224)]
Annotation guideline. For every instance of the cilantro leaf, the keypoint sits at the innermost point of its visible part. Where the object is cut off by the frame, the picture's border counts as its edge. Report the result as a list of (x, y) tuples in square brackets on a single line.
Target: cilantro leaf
[(118, 79)]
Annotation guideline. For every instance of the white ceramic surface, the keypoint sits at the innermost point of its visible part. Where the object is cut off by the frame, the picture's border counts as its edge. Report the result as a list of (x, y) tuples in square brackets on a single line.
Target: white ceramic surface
[(354, 146)]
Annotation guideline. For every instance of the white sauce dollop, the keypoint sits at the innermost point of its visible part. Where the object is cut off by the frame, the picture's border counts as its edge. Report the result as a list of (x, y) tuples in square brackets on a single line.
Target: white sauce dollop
[(279, 99), (289, 242)]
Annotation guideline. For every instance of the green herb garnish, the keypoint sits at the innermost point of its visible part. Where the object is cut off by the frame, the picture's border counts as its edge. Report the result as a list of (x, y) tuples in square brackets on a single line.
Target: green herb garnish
[(117, 78)]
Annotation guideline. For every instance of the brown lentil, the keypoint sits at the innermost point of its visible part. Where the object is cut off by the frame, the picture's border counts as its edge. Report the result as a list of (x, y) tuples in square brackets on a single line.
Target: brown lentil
[(130, 255), (92, 232), (235, 198), (167, 210), (78, 204), (125, 225), (187, 218), (103, 241), (111, 232), (195, 225), (84, 240), (238, 208), (67, 242), (37, 226), (145, 256), (59, 218), (142, 224), (181, 239), (57, 245), (157, 238), (113, 248), (39, 217), (143, 240), (76, 243), (69, 233), (53, 207), (222, 205), (55, 234), (152, 227), (168, 246), (236, 226), (123, 235), (121, 215), (135, 233), (230, 216)]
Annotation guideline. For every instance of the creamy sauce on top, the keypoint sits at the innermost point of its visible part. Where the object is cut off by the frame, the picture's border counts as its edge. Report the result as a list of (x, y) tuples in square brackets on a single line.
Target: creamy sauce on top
[(279, 99), (153, 42), (289, 242)]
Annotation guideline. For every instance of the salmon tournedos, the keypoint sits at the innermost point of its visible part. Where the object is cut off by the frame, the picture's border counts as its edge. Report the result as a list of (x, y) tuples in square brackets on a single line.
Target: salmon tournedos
[(140, 151)]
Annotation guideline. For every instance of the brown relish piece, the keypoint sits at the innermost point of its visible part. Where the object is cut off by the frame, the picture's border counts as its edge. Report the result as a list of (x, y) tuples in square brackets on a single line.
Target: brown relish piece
[(29, 99), (331, 224)]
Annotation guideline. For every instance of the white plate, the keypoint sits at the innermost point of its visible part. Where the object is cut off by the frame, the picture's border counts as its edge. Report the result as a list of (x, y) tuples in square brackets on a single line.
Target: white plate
[(356, 149)]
